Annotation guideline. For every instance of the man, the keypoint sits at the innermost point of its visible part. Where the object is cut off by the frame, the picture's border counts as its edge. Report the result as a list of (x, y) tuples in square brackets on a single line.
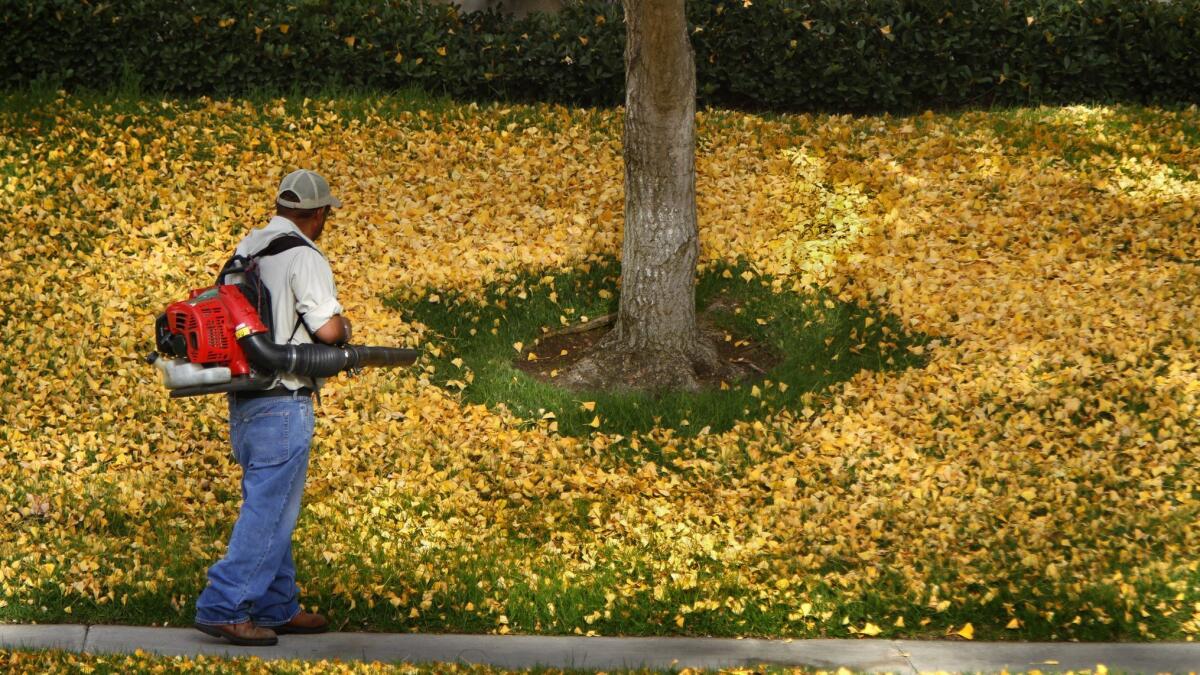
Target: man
[(252, 595)]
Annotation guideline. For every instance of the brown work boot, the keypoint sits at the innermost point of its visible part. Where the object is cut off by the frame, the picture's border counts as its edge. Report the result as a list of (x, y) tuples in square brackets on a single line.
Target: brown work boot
[(244, 634), (304, 623)]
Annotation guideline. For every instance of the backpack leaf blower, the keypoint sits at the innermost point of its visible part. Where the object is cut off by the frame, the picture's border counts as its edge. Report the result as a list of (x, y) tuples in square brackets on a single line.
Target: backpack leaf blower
[(216, 342)]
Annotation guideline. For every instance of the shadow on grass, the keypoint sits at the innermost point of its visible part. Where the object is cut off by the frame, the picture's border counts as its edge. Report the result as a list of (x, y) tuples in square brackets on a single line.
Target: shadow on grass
[(818, 339)]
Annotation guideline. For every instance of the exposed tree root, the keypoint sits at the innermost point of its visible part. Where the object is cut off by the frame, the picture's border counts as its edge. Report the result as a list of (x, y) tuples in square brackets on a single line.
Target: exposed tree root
[(598, 322), (613, 364)]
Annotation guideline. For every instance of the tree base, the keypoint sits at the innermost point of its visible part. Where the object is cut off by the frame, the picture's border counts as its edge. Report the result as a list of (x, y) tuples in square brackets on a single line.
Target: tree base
[(594, 359), (619, 367)]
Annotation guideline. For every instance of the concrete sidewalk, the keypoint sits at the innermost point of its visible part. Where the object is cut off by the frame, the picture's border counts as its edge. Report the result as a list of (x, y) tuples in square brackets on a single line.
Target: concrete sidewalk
[(606, 653)]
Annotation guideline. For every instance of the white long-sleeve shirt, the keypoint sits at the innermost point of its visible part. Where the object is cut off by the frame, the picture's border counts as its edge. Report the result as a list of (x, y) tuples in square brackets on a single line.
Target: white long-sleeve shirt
[(301, 282)]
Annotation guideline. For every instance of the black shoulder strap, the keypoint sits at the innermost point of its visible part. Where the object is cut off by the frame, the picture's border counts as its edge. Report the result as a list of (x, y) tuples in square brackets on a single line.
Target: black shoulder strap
[(240, 263), (280, 244)]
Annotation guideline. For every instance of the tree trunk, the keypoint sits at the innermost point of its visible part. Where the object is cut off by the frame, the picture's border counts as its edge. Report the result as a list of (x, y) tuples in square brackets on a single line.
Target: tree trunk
[(656, 342)]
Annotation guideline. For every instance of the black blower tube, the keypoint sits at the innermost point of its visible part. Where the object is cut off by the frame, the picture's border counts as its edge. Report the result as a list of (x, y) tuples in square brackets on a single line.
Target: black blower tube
[(315, 360)]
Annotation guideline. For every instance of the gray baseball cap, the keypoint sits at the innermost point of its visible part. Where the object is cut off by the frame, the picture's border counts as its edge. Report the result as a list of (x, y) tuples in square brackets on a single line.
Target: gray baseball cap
[(312, 190)]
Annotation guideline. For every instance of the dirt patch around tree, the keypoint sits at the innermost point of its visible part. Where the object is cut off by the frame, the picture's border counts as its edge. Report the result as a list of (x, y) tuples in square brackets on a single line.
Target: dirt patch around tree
[(555, 352)]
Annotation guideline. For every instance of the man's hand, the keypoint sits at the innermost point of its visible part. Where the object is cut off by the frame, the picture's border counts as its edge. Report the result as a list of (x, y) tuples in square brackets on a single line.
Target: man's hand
[(335, 331)]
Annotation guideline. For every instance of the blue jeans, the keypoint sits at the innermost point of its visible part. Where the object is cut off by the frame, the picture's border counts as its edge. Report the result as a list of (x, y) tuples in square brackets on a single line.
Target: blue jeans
[(256, 579)]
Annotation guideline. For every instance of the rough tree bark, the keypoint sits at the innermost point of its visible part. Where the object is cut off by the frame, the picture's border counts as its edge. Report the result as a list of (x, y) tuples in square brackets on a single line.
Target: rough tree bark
[(656, 342)]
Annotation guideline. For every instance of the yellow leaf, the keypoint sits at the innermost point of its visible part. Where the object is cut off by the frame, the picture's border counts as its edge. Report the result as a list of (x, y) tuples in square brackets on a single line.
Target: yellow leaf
[(871, 629), (1014, 624), (967, 632), (349, 40), (518, 346), (588, 405), (595, 423), (283, 28), (399, 58)]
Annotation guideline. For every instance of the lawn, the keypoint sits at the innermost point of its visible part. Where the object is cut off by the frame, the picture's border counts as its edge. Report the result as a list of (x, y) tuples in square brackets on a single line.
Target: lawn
[(1032, 472)]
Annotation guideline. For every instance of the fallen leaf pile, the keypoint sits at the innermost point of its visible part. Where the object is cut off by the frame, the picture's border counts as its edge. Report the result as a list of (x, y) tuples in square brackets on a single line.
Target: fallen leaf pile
[(58, 661), (1041, 469), (48, 661)]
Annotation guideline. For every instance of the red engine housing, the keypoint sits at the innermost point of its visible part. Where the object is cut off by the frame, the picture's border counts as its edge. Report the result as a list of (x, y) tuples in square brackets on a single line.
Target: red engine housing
[(211, 321)]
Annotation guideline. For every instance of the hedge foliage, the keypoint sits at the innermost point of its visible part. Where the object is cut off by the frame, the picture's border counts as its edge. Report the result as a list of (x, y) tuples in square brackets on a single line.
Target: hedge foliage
[(841, 55)]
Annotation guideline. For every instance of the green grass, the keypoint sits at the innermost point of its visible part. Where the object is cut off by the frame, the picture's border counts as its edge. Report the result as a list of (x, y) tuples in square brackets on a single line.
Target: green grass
[(821, 341), (1109, 133), (809, 328), (582, 605), (32, 112), (517, 578)]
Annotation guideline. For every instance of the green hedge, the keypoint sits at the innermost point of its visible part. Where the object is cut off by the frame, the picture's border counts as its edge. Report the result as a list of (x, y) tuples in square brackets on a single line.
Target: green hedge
[(840, 55)]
